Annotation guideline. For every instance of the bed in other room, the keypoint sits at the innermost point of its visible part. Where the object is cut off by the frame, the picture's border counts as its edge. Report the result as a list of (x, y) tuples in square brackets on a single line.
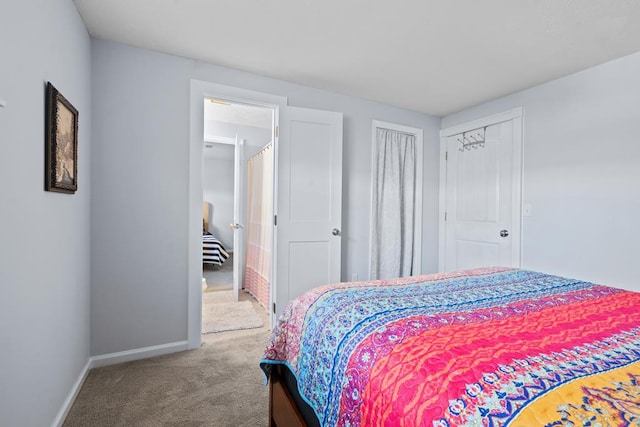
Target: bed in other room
[(213, 251), (484, 347)]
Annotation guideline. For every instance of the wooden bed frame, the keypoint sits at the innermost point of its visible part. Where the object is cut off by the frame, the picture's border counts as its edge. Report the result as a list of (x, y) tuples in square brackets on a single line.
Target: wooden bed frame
[(283, 411)]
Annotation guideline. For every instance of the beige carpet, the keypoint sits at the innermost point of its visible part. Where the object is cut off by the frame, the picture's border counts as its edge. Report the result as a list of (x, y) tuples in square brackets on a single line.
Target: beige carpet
[(219, 384), (229, 316)]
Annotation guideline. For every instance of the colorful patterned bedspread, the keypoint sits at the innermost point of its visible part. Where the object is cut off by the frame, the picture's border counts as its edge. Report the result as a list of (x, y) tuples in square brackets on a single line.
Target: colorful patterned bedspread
[(486, 347)]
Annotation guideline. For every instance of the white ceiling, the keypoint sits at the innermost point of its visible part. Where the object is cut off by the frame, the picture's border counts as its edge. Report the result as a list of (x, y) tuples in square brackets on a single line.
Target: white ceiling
[(433, 56)]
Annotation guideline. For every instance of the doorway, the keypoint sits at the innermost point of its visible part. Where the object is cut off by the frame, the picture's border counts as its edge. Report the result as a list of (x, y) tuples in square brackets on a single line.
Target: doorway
[(218, 176), (307, 199), (480, 193), (199, 91), (237, 207)]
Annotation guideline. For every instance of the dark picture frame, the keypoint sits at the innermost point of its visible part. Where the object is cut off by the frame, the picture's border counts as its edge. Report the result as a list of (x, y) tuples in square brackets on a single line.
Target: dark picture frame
[(61, 143)]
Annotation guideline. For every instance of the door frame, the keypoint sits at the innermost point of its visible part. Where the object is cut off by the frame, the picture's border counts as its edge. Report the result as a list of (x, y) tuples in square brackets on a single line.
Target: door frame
[(200, 90), (239, 212), (419, 134), (516, 115), (239, 171)]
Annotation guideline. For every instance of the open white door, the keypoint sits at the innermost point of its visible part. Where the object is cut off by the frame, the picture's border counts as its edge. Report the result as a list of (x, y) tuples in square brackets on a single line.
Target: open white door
[(238, 209), (309, 202)]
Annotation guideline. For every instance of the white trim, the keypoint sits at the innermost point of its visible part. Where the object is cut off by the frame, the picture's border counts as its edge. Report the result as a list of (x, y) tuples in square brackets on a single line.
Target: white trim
[(136, 354), (112, 359), (71, 397), (517, 188), (239, 238), (274, 203), (516, 115), (200, 90), (442, 203), (419, 134), (220, 140)]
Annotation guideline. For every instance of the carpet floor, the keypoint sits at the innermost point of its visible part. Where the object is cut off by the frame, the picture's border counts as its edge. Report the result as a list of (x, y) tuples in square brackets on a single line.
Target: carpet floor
[(219, 384)]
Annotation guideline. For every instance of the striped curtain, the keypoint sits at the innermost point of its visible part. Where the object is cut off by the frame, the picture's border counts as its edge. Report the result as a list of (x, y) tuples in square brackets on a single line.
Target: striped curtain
[(259, 224)]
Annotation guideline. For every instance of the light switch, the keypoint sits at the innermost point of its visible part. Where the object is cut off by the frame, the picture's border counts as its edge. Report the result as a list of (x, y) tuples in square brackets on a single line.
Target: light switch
[(526, 209)]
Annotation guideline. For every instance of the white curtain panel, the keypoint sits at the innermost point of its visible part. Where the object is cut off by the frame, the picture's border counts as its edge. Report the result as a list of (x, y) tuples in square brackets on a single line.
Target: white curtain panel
[(393, 205), (259, 224)]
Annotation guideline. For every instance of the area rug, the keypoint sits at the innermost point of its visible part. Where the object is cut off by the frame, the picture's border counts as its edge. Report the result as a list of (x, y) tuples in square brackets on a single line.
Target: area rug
[(229, 316), (217, 297)]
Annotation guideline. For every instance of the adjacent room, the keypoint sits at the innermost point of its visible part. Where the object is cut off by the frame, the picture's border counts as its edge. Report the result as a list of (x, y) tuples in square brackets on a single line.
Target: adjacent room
[(317, 214), (237, 184)]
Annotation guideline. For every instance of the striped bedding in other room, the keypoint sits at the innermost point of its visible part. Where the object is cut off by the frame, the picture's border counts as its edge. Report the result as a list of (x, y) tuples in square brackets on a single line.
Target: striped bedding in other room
[(213, 252)]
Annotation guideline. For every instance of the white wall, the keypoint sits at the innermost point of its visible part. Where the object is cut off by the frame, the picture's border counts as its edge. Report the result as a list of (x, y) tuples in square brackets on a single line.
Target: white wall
[(581, 172), (139, 254), (44, 248)]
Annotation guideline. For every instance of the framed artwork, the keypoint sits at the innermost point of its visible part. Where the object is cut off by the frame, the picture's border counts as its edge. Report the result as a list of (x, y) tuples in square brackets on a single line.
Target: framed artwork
[(61, 143)]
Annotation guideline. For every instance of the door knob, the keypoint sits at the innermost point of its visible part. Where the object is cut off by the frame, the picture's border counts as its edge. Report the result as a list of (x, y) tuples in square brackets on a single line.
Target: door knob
[(335, 232), (235, 226), (504, 233)]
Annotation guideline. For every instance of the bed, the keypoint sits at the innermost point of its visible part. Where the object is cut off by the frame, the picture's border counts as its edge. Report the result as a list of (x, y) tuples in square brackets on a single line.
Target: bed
[(484, 347), (213, 252)]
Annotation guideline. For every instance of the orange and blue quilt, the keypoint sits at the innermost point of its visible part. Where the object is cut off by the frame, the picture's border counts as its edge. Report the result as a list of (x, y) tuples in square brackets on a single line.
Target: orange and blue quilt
[(485, 347)]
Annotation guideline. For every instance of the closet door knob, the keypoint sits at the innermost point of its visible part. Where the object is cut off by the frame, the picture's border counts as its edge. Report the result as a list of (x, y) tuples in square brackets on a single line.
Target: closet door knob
[(504, 233), (335, 232)]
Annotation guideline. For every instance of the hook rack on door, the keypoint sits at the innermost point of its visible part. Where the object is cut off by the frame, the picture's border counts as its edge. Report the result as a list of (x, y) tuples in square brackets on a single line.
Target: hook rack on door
[(472, 139)]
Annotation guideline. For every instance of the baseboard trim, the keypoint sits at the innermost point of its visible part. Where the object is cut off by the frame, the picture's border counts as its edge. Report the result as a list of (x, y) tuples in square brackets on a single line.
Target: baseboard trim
[(135, 354), (71, 397), (111, 359)]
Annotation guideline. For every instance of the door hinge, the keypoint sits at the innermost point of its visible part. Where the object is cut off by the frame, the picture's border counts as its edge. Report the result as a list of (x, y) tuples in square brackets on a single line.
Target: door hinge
[(274, 308), (445, 216), (277, 131), (446, 156), (275, 220)]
